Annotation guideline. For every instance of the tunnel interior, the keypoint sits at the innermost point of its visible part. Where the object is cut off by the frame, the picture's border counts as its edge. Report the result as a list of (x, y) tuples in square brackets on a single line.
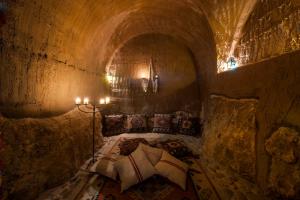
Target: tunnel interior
[(233, 64)]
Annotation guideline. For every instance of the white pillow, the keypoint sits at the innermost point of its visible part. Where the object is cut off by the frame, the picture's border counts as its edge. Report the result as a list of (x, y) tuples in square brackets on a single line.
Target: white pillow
[(105, 167), (153, 154), (173, 169), (134, 169)]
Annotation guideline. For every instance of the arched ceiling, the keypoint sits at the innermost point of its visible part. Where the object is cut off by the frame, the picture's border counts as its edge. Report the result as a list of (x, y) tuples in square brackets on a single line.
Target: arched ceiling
[(84, 25), (65, 45)]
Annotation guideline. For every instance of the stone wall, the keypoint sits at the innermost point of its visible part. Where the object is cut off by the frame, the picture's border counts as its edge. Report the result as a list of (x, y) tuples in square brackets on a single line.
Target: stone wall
[(171, 60), (284, 148), (276, 85), (230, 132), (40, 154)]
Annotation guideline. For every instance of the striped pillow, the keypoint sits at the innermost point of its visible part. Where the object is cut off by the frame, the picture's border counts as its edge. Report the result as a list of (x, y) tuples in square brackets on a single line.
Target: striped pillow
[(105, 167), (134, 169), (173, 169)]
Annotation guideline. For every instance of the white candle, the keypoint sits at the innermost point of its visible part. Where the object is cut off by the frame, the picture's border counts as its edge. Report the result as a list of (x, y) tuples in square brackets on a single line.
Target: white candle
[(86, 101), (102, 101), (78, 100), (107, 100)]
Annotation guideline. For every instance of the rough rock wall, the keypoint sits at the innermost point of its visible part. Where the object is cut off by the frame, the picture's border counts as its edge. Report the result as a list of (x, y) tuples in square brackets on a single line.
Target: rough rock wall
[(284, 148), (276, 84), (39, 154), (171, 61), (230, 132)]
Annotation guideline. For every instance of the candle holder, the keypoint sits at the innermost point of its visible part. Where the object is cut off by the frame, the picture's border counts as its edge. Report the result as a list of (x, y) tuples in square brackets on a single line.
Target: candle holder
[(92, 108)]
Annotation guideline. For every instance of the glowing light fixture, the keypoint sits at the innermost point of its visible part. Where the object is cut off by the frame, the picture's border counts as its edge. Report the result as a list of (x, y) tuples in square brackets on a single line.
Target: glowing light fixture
[(93, 109), (86, 101), (78, 101), (107, 100)]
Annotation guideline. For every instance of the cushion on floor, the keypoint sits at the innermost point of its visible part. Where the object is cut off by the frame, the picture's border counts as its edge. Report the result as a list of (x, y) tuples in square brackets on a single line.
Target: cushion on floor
[(153, 154), (129, 145), (173, 169), (134, 169), (105, 166)]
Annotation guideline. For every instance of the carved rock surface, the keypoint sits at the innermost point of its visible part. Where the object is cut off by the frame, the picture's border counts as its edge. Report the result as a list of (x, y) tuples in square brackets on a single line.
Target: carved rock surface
[(230, 131), (41, 153), (284, 147)]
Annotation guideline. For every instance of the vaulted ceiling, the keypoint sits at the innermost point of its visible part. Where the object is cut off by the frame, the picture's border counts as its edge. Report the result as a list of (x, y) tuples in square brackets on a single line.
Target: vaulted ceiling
[(84, 34)]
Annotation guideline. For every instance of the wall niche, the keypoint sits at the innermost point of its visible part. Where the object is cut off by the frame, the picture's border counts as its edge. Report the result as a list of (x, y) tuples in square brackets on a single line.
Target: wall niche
[(141, 59)]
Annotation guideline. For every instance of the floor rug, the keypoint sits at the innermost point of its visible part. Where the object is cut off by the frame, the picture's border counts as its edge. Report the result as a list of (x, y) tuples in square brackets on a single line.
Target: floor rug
[(155, 188)]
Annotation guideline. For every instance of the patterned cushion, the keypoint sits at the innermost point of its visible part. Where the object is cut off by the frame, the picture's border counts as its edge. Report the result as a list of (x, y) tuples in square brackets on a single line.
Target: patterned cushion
[(129, 146), (136, 123), (150, 122), (176, 148), (113, 125), (189, 126), (134, 169), (178, 117), (162, 123)]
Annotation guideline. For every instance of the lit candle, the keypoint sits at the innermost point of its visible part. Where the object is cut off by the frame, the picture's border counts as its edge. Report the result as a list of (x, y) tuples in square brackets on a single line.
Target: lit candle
[(107, 100), (86, 101), (102, 101), (78, 100)]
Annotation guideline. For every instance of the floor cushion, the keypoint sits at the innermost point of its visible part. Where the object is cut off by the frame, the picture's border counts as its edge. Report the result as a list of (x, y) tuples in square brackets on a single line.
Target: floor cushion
[(134, 169), (153, 154), (172, 169), (105, 166)]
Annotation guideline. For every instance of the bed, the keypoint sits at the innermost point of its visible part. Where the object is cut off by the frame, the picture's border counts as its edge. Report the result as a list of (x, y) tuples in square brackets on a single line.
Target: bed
[(92, 186)]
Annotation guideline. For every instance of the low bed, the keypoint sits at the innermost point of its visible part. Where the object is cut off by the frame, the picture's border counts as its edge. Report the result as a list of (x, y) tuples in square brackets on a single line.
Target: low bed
[(87, 185)]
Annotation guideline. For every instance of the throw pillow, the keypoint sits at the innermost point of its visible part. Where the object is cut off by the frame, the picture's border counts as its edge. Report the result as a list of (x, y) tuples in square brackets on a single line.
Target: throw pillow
[(173, 169), (113, 125), (189, 126), (134, 169), (162, 123), (136, 123)]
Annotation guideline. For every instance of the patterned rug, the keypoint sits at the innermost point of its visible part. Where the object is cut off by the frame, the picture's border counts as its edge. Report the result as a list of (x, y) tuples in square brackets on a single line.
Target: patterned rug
[(90, 186), (155, 188)]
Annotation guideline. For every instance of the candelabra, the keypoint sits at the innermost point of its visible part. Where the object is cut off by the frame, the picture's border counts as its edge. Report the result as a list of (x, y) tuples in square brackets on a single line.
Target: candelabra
[(92, 108)]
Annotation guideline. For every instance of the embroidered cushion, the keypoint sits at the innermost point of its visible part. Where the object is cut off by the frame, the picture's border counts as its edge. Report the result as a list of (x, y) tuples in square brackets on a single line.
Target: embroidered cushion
[(162, 123), (178, 117), (173, 169), (176, 148), (136, 123), (129, 145), (153, 154), (105, 166), (134, 169), (150, 122), (113, 125), (189, 126)]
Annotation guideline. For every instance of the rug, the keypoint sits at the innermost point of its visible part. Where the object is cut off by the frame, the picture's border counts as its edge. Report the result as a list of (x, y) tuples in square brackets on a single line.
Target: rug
[(155, 188), (90, 186)]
